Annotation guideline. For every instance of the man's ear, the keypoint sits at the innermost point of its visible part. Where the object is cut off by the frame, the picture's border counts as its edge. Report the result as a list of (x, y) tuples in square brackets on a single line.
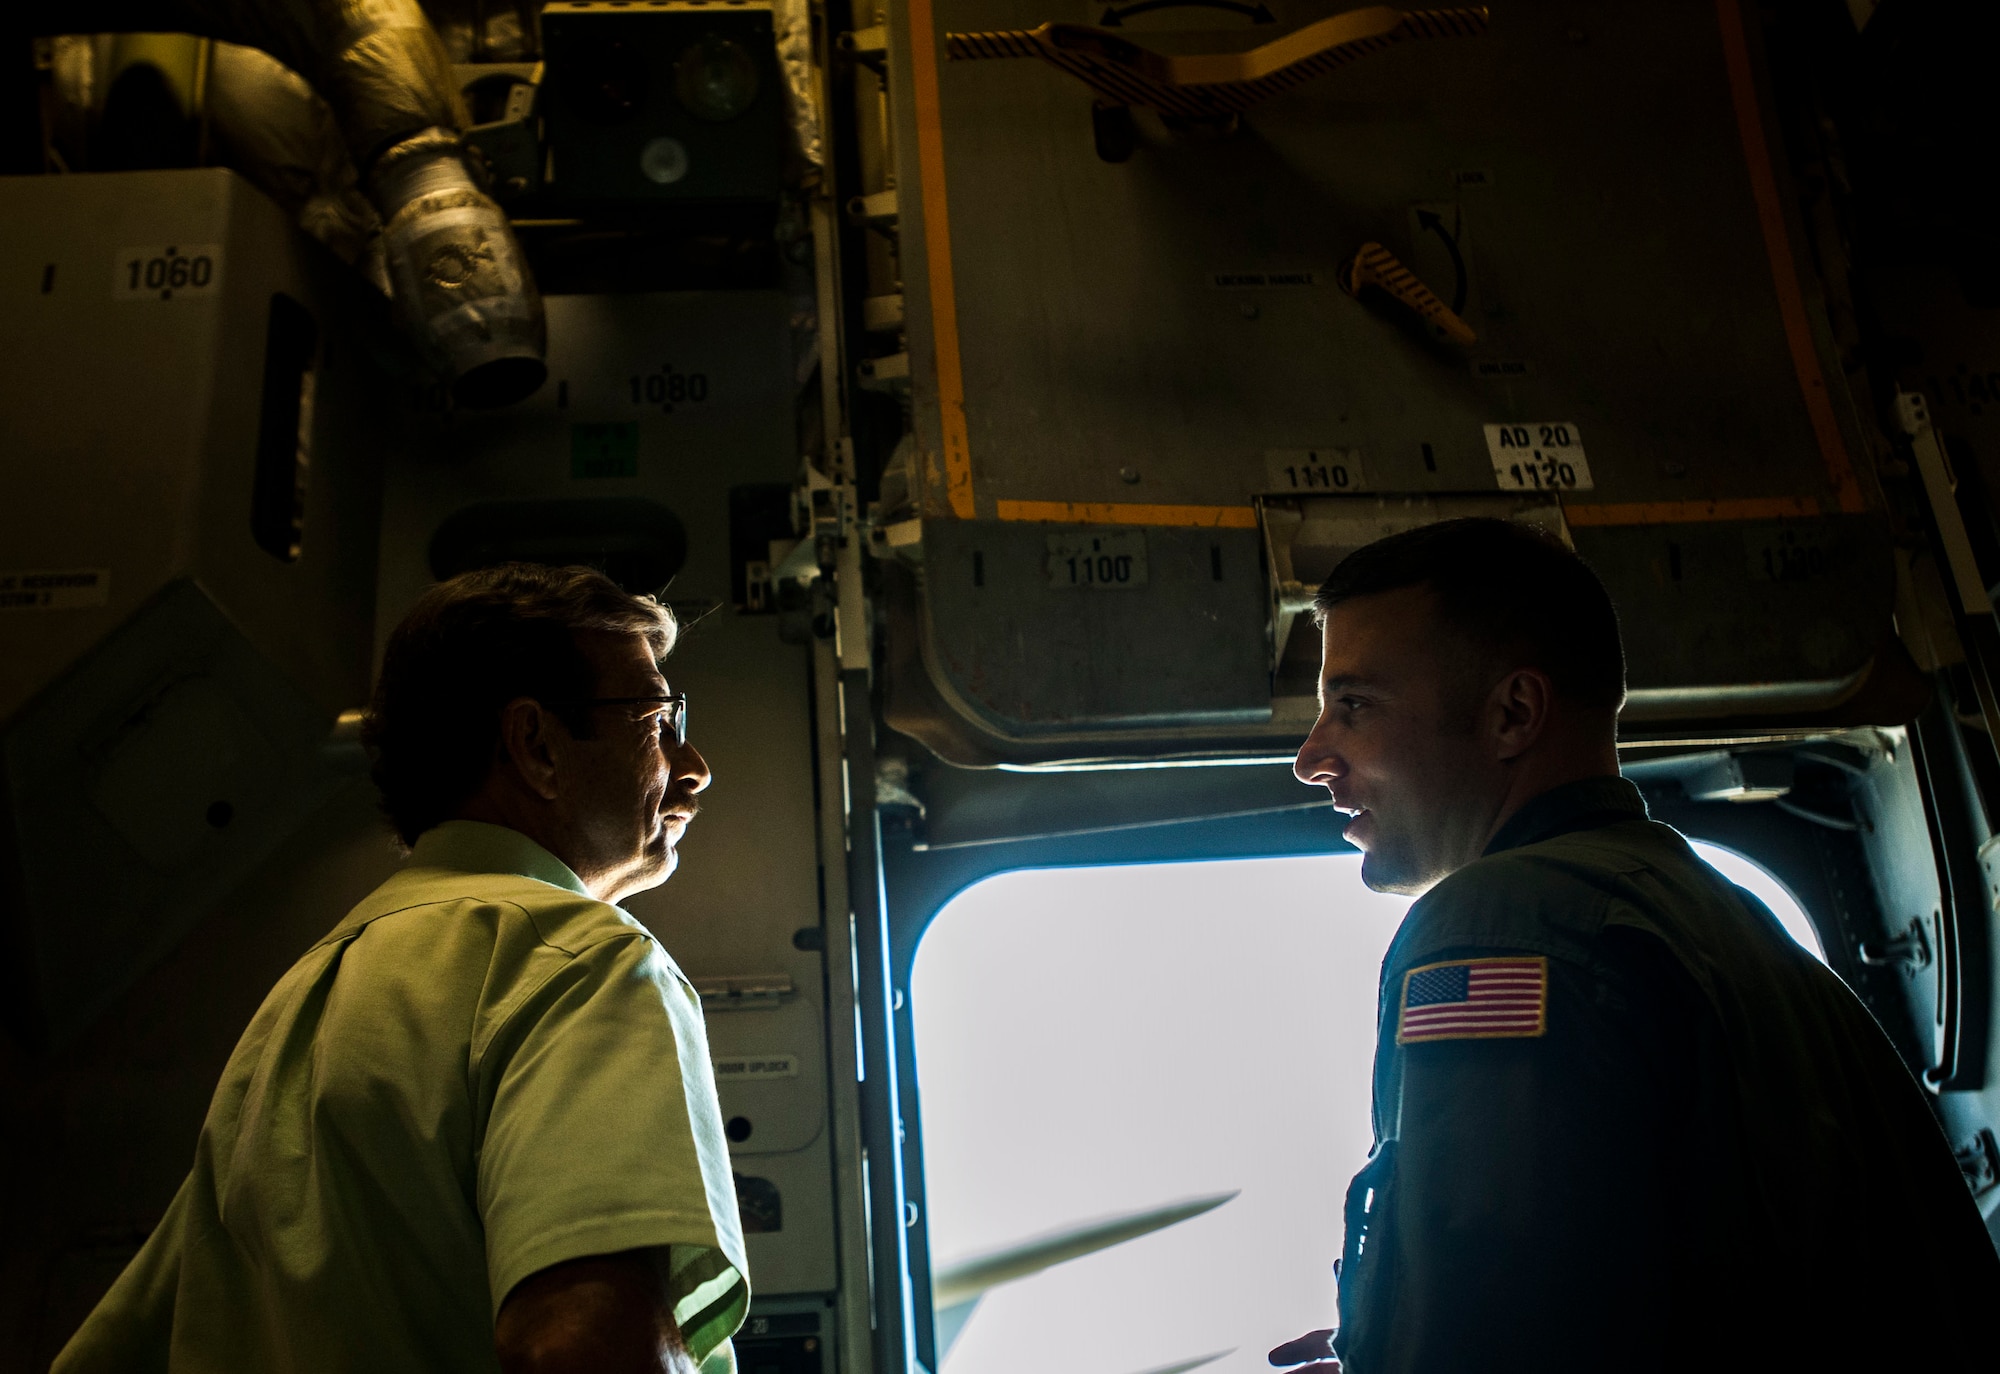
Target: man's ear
[(527, 745), (1518, 710)]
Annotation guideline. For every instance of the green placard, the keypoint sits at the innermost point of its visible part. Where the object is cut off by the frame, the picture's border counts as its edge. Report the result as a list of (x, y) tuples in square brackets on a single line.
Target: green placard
[(604, 450)]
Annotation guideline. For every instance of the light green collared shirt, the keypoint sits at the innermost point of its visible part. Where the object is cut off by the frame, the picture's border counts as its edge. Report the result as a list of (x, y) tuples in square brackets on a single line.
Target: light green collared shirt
[(481, 1072)]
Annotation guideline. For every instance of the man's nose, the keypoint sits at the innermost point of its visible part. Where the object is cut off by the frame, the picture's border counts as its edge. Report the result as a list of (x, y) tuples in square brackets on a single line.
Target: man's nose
[(690, 768), (1317, 764)]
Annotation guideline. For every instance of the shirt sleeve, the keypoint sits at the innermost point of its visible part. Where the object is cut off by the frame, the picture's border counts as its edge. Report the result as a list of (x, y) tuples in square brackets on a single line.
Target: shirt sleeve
[(603, 1135), (131, 1330), (1531, 1226)]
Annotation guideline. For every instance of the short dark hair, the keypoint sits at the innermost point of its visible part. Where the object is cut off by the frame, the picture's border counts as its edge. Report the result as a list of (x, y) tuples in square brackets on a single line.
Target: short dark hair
[(1507, 588), (468, 647)]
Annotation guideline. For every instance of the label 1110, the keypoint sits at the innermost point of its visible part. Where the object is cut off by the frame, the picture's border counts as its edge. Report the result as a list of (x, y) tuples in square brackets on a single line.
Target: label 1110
[(1321, 470)]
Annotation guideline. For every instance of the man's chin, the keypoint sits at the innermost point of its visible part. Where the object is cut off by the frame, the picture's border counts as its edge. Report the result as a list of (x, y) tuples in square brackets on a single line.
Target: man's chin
[(655, 867), (1381, 872)]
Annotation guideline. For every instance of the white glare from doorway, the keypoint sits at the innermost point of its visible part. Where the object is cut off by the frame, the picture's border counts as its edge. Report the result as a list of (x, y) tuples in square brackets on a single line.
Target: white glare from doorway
[(1093, 1042)]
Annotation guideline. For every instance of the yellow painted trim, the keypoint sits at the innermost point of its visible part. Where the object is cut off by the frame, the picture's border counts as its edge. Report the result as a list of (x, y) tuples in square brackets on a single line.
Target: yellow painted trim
[(937, 253), (1121, 513), (1577, 514), (1541, 1013), (1784, 271), (1355, 26), (1690, 512)]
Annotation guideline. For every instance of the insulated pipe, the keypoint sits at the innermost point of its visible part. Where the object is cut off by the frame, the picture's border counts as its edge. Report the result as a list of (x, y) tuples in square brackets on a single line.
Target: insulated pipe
[(459, 281), (268, 124), (462, 290)]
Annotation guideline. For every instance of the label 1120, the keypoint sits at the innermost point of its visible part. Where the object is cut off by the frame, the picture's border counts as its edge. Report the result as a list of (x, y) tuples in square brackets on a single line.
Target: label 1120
[(1538, 457)]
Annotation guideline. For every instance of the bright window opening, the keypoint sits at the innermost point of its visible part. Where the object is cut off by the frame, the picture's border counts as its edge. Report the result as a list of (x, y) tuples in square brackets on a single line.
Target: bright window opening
[(1755, 879), (1101, 1051)]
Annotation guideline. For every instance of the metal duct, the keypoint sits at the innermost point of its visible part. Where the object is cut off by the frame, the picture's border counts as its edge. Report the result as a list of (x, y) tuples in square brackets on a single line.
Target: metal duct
[(457, 273), (462, 288), (488, 30), (267, 123)]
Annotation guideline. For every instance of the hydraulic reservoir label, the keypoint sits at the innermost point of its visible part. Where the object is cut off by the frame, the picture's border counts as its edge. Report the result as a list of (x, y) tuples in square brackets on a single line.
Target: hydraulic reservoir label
[(1317, 471), (62, 589), (1098, 562), (174, 272), (1538, 457)]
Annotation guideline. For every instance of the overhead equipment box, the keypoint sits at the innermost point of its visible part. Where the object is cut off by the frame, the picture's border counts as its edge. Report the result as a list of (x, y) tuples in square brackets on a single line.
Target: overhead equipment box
[(187, 583)]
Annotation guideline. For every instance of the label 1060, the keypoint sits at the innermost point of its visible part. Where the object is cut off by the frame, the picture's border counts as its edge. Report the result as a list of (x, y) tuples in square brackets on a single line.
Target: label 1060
[(1538, 457), (164, 274), (1103, 562), (1318, 470)]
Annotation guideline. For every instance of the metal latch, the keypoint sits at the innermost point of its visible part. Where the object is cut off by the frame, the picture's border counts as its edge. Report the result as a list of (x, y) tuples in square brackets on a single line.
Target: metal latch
[(748, 992), (1912, 949), (874, 210), (1979, 1160), (869, 46), (1941, 486)]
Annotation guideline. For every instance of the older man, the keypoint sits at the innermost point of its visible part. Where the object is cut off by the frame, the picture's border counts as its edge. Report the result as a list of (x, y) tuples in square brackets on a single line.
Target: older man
[(1622, 1121), (475, 1126)]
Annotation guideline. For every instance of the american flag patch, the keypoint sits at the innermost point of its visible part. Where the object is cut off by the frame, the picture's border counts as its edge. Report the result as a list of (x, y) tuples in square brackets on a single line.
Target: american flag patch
[(1475, 999)]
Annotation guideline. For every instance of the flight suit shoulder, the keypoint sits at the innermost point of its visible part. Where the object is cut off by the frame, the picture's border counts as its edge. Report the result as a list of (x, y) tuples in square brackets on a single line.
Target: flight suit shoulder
[(1552, 898)]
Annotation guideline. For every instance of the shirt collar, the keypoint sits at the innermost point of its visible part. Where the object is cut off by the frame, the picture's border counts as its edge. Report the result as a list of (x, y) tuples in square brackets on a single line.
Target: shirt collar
[(1582, 805), (476, 847)]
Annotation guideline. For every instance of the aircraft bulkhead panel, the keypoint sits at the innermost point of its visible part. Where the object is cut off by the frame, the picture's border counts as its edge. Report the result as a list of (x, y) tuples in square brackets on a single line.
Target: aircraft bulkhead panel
[(1462, 260)]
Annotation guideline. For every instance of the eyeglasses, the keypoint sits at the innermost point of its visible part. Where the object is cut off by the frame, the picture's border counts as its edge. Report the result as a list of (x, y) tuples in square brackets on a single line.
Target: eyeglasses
[(674, 718)]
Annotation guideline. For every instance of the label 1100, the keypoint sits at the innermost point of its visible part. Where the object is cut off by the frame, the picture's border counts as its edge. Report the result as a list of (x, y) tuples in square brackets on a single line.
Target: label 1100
[(1101, 570)]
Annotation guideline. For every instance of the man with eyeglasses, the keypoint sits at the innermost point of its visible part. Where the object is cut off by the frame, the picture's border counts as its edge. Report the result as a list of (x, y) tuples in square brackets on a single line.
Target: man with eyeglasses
[(475, 1127)]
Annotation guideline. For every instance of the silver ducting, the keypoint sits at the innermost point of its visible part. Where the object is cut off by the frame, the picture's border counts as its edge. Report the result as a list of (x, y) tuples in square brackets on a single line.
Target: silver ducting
[(267, 123), (462, 289), (487, 30), (793, 22), (456, 272)]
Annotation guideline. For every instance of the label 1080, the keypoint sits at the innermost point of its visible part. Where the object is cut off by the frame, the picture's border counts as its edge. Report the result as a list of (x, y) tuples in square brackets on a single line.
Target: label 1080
[(1103, 562), (667, 388), (1329, 471), (1538, 457)]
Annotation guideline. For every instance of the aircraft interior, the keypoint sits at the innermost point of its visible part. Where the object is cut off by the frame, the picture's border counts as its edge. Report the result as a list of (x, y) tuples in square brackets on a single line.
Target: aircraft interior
[(987, 386)]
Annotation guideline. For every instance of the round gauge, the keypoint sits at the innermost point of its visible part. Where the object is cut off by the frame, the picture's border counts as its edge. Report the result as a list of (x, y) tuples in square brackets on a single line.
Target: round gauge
[(664, 160), (716, 78)]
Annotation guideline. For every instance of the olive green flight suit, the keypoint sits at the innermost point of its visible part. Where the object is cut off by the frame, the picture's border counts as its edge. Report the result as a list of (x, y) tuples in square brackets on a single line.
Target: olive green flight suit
[(1698, 1152)]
